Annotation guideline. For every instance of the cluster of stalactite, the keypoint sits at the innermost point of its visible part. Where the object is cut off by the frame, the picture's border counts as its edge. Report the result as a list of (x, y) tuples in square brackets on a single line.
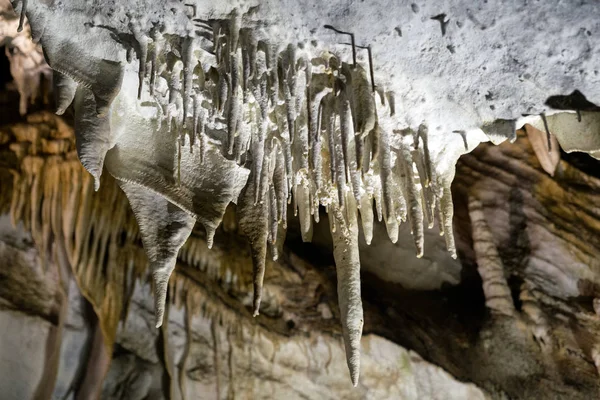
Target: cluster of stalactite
[(94, 238), (54, 198), (313, 131)]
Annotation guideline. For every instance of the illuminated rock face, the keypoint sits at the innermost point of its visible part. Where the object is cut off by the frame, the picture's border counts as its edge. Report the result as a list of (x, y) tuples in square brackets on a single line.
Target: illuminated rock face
[(210, 360), (511, 232), (192, 107)]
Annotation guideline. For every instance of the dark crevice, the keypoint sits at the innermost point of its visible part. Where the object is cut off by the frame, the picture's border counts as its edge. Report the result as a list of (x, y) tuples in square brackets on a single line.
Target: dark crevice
[(5, 76), (514, 283), (583, 162), (575, 101), (9, 97)]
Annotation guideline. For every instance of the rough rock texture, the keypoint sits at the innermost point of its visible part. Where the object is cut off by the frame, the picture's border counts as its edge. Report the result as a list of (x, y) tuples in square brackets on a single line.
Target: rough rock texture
[(209, 346), (239, 115), (215, 362), (294, 347)]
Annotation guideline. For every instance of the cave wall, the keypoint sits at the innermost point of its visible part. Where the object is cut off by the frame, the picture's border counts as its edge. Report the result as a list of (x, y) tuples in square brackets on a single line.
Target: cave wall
[(549, 329), (201, 355), (526, 222)]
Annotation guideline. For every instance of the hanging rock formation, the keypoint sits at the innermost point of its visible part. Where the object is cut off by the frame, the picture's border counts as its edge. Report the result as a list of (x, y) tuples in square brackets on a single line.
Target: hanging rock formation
[(191, 109)]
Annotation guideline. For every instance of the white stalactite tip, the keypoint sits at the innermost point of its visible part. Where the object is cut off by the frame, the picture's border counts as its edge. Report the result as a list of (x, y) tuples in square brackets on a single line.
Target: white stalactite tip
[(161, 283), (347, 261), (164, 228)]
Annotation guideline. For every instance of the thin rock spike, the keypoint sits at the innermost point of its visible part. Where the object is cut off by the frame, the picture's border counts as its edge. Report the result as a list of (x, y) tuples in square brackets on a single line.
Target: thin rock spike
[(385, 172), (423, 134), (328, 121), (347, 261), (188, 69), (415, 210), (447, 209), (345, 128)]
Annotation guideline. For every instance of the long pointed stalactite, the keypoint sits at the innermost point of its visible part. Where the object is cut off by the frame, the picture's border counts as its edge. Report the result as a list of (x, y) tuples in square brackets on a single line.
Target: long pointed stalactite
[(164, 228), (53, 196)]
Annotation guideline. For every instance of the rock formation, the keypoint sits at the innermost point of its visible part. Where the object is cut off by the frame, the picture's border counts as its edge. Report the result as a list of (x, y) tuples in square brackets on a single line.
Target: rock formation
[(216, 114)]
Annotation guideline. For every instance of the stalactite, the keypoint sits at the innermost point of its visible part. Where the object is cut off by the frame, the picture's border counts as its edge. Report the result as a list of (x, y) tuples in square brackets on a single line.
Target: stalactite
[(222, 88), (32, 167), (280, 185), (17, 202), (257, 165), (328, 117), (142, 54), (55, 332), (73, 206), (64, 91), (57, 205), (415, 209), (198, 127), (428, 201), (249, 49), (317, 90), (216, 356), (235, 23), (548, 156), (441, 219), (302, 193), (179, 162), (337, 153), (22, 15), (175, 101), (50, 207), (83, 217), (188, 69), (366, 216), (273, 216), (346, 254), (368, 152), (419, 161), (447, 212), (345, 129), (287, 156), (385, 168), (233, 113), (363, 105), (164, 228), (254, 224), (287, 80), (92, 132), (158, 41), (423, 135), (257, 104), (271, 63)]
